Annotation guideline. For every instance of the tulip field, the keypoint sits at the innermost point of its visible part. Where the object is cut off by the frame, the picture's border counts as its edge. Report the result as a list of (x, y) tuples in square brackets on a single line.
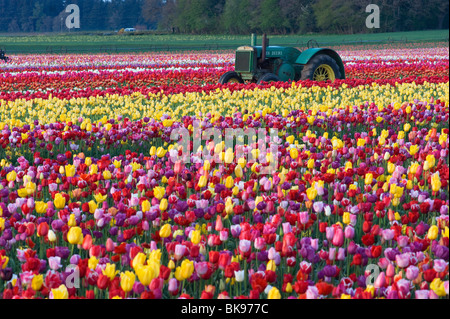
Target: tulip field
[(96, 202)]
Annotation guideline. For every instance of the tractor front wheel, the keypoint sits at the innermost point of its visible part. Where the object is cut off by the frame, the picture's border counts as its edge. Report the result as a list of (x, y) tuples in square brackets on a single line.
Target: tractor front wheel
[(230, 77), (267, 78), (321, 68)]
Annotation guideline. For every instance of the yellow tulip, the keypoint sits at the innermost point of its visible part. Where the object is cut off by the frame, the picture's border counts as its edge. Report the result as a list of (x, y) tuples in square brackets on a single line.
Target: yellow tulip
[(22, 192), (293, 152), (361, 142), (165, 231), (72, 221), (202, 181), (145, 274), (390, 167), (229, 182), (445, 232), (229, 156), (127, 280), (161, 152), (290, 139), (70, 170), (92, 206), (437, 285), (310, 163), (60, 293), (413, 149), (229, 206), (167, 123), (436, 182), (171, 265), (368, 179), (30, 188), (92, 262), (206, 165), (431, 160), (187, 268), (11, 176), (159, 192), (406, 127), (59, 201), (271, 265), (433, 232), (40, 207), (238, 171), (106, 175), (36, 282), (99, 198), (346, 218), (117, 163), (163, 205), (110, 271), (311, 193), (138, 260), (274, 293), (75, 235), (93, 169), (195, 237), (145, 206)]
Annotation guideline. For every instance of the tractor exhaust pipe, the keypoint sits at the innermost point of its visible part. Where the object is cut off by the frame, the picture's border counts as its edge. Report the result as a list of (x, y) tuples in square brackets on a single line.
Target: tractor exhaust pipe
[(253, 41), (265, 44)]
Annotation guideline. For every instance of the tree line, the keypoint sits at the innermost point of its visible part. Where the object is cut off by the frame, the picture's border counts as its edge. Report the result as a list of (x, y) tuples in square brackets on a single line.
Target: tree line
[(225, 16)]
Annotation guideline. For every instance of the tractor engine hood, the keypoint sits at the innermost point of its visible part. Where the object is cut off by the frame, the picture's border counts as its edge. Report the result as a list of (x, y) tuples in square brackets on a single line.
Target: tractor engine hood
[(288, 54)]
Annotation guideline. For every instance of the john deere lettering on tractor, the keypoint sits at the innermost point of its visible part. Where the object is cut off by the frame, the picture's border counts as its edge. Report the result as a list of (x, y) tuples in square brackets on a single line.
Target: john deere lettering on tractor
[(266, 63)]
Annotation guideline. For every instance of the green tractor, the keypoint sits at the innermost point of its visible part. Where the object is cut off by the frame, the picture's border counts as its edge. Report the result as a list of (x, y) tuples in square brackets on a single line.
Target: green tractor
[(258, 64)]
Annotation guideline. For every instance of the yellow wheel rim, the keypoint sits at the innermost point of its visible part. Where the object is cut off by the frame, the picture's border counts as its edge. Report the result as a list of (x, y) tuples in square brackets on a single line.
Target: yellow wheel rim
[(233, 80), (323, 73)]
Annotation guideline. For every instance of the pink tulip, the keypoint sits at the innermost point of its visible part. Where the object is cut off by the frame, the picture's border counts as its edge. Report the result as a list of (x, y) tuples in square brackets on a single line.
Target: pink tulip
[(260, 243), (332, 253), (173, 285), (329, 233), (179, 251), (440, 265), (54, 263), (422, 294), (349, 232), (244, 245), (402, 260), (304, 218), (223, 235), (338, 238), (380, 282), (341, 254), (110, 245), (390, 270)]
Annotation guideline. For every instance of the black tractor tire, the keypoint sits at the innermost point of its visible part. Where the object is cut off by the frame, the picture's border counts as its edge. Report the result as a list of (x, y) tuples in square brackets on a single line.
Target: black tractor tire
[(267, 78), (315, 62), (230, 77)]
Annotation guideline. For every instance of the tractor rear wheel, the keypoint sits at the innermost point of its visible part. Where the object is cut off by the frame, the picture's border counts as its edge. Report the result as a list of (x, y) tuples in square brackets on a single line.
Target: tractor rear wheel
[(321, 68), (268, 77), (230, 77)]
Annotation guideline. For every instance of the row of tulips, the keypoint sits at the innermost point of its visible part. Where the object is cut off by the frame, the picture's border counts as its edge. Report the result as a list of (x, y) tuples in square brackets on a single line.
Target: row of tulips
[(89, 108), (168, 90), (84, 62), (42, 81)]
